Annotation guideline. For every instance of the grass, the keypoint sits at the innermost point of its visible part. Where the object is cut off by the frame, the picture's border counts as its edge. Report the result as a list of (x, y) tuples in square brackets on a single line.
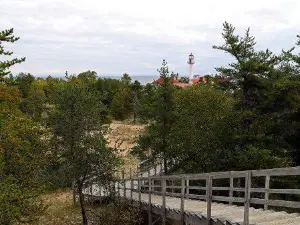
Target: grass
[(60, 209), (60, 203)]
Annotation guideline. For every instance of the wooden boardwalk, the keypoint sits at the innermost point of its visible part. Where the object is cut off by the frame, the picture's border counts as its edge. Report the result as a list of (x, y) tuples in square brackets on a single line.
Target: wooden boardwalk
[(197, 198)]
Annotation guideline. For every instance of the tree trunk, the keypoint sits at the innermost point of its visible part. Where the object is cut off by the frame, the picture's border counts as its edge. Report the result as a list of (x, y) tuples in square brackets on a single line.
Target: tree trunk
[(82, 205), (165, 165)]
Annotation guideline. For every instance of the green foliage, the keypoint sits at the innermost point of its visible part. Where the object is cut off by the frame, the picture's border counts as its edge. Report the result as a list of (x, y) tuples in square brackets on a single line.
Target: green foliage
[(34, 104), (121, 105), (7, 36), (88, 76), (24, 81), (245, 117), (184, 79), (250, 70), (204, 126), (136, 88), (251, 75), (156, 142), (257, 158), (77, 125), (109, 87), (118, 213), (126, 79), (148, 102), (21, 150)]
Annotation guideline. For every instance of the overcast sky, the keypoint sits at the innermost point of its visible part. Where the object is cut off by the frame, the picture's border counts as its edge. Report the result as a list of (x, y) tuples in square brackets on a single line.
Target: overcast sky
[(134, 36)]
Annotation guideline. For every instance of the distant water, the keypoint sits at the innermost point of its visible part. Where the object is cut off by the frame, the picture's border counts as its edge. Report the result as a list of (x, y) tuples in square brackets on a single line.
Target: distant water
[(142, 79)]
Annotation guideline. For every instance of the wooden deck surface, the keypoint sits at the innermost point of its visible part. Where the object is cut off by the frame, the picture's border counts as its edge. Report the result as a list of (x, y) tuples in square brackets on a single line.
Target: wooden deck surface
[(223, 212), (181, 206), (229, 214)]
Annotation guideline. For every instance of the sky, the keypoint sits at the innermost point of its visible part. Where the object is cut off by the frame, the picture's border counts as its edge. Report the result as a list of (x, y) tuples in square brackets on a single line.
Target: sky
[(134, 36)]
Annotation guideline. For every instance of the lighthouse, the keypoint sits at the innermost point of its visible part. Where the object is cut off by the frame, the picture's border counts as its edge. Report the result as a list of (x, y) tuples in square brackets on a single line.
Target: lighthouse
[(191, 62)]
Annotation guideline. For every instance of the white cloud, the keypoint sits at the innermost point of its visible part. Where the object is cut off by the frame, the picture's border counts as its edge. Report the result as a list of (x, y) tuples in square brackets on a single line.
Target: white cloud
[(133, 36)]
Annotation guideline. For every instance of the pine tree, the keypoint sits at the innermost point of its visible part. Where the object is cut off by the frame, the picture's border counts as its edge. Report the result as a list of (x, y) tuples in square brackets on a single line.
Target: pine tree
[(82, 149), (136, 104), (157, 137), (7, 36), (250, 74)]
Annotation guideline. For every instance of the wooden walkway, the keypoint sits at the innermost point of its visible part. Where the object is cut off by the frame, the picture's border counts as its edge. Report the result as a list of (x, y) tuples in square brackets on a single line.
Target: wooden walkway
[(199, 198)]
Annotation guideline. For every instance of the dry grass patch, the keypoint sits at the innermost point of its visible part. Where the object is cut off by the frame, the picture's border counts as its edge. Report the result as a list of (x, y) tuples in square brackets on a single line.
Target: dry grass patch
[(124, 136), (60, 210)]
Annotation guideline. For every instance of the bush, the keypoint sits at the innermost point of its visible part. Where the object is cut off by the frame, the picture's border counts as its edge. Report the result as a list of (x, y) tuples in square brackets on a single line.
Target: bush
[(115, 214)]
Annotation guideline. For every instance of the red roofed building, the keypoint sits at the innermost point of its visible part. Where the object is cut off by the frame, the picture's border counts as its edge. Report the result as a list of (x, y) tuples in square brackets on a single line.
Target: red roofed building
[(173, 81), (177, 83), (199, 79)]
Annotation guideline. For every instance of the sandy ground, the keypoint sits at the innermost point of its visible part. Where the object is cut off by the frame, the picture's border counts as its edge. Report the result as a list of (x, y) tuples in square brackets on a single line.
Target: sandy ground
[(123, 136)]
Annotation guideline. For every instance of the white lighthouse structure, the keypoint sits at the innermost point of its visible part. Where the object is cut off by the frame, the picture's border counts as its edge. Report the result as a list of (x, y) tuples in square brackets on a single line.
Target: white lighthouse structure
[(191, 62)]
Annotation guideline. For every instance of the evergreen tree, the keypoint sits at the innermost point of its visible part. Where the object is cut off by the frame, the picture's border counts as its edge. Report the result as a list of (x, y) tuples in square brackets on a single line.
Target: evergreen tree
[(157, 137), (251, 75), (7, 36), (136, 104), (184, 79), (77, 125), (203, 130), (24, 81), (21, 150), (126, 78)]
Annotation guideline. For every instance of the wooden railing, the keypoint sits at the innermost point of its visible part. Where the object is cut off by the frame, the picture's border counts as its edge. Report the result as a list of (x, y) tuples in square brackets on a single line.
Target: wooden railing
[(190, 186)]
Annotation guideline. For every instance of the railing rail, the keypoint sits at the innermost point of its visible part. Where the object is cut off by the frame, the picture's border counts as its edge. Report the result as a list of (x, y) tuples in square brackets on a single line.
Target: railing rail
[(184, 187)]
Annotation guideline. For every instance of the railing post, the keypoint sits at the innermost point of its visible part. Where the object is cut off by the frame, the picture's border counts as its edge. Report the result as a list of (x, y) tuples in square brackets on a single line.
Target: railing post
[(74, 193), (91, 193), (267, 188), (119, 178), (247, 197), (230, 188), (208, 198), (182, 200), (187, 187), (149, 199), (164, 187), (172, 184), (100, 194), (140, 195), (131, 187), (124, 185)]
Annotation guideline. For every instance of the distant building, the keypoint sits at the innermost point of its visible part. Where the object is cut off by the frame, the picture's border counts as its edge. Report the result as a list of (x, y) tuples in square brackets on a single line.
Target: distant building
[(196, 80), (178, 83), (193, 79)]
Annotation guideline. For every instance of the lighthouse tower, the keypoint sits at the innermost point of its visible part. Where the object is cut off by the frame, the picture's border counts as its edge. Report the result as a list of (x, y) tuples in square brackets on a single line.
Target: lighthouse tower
[(191, 62)]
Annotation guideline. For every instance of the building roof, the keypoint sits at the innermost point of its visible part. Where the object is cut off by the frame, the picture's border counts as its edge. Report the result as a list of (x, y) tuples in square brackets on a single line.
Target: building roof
[(183, 85), (196, 80), (199, 79), (161, 81), (180, 84)]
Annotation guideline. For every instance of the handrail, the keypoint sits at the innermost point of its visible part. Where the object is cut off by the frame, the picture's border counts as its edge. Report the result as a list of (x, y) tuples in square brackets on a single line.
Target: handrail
[(147, 185)]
